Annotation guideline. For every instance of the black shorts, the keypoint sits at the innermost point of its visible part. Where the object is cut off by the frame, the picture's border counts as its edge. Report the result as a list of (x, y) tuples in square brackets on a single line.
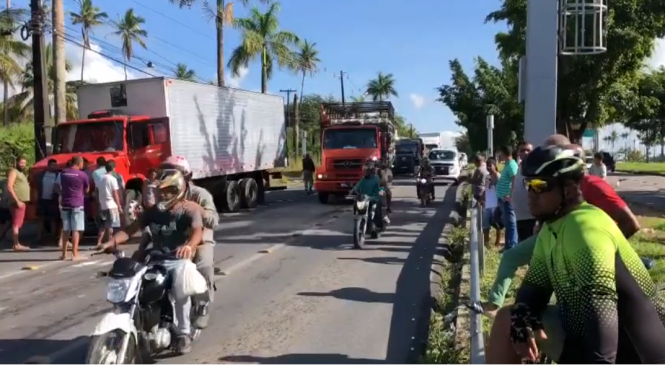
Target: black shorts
[(48, 209)]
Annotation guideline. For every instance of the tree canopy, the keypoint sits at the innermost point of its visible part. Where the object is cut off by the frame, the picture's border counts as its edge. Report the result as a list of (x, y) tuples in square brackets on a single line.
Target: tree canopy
[(592, 90)]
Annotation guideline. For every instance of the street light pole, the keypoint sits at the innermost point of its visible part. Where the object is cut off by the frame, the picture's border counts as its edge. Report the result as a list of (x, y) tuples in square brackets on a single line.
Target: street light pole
[(490, 135)]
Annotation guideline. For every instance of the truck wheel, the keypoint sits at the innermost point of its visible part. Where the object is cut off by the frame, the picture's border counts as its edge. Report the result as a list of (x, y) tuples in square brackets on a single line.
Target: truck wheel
[(232, 196), (133, 206), (323, 197), (248, 193)]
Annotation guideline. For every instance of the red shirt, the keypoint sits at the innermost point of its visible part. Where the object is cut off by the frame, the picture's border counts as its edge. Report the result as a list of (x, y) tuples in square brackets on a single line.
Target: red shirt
[(600, 193)]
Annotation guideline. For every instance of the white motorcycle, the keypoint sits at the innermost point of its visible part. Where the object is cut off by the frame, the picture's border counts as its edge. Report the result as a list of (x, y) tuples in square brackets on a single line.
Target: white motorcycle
[(142, 323)]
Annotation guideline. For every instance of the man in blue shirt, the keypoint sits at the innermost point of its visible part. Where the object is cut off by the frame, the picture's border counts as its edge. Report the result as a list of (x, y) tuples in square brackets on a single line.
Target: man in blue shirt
[(370, 185), (503, 190)]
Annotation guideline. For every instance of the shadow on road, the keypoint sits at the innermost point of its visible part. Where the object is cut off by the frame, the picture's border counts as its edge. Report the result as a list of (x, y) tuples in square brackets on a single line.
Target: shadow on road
[(299, 359), (647, 203), (354, 294), (20, 351)]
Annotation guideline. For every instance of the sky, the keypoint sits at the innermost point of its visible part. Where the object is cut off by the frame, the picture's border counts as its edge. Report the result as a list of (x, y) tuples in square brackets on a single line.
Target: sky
[(360, 38)]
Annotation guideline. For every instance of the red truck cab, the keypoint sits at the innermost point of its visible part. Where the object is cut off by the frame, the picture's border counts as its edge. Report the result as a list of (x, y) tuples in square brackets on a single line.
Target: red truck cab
[(352, 133), (136, 144)]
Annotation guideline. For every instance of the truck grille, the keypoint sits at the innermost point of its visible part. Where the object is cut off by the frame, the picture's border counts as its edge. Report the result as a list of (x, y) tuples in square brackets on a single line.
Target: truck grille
[(350, 164)]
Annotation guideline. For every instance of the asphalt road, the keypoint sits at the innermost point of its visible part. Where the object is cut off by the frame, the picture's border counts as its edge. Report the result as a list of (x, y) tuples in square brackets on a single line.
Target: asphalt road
[(645, 190), (294, 291)]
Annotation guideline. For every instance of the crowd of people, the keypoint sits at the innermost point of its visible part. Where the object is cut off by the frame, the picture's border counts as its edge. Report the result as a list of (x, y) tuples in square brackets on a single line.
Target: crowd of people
[(62, 198), (571, 228)]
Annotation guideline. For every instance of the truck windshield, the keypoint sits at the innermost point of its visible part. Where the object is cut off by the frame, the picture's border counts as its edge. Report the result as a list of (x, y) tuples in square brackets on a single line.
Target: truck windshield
[(431, 146), (442, 155), (406, 148), (89, 137), (349, 138)]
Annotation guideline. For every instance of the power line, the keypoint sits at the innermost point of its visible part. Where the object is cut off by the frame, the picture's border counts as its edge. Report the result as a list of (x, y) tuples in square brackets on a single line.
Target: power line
[(173, 20)]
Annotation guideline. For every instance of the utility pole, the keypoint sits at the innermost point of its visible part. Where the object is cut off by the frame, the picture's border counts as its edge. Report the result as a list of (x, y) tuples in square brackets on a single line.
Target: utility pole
[(59, 61), (288, 112), (341, 81), (35, 28)]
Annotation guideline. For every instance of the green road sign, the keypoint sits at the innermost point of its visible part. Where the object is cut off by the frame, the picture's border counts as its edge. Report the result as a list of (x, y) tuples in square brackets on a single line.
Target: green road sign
[(589, 133)]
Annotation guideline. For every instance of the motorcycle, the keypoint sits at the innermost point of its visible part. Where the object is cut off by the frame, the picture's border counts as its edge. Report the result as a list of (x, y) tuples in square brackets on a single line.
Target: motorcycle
[(363, 221), (424, 193), (142, 323)]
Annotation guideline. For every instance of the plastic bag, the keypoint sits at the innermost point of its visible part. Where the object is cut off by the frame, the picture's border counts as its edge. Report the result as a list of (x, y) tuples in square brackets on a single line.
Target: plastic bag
[(188, 280)]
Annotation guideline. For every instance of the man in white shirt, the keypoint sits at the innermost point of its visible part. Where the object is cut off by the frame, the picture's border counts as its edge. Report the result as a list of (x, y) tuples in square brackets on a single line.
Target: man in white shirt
[(110, 207), (47, 205)]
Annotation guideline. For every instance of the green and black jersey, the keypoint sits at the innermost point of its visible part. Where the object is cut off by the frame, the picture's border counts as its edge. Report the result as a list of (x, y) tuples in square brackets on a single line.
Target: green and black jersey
[(608, 303)]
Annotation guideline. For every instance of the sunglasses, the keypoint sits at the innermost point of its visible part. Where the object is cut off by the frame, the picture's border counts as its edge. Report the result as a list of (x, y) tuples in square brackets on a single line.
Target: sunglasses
[(538, 185)]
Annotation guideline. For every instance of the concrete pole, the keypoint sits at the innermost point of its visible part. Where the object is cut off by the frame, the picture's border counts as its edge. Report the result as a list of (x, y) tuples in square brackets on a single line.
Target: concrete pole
[(542, 19), (490, 135)]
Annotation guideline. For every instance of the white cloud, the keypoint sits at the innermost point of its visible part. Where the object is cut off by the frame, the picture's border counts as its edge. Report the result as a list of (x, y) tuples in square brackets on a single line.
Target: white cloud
[(417, 100), (658, 57), (236, 81), (97, 67)]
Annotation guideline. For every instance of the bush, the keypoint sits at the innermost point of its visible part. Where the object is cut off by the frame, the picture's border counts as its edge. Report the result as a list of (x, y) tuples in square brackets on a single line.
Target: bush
[(16, 140)]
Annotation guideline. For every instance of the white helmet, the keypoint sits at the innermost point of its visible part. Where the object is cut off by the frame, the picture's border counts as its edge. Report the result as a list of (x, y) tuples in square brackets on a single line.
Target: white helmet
[(179, 163)]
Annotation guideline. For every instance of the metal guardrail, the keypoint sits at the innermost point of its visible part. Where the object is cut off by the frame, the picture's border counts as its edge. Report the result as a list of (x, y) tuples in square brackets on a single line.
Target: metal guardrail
[(477, 258)]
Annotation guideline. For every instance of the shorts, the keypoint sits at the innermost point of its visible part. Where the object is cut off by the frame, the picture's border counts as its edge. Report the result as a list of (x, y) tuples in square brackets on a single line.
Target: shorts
[(488, 214), (553, 345), (109, 218), (73, 219), (18, 216), (47, 209)]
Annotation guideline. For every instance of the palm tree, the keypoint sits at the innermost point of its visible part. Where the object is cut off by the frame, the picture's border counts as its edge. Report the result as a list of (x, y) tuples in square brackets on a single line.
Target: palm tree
[(222, 13), (306, 62), (11, 49), (130, 32), (261, 37), (613, 138), (382, 87), (89, 16), (21, 104), (358, 98), (184, 73), (625, 136)]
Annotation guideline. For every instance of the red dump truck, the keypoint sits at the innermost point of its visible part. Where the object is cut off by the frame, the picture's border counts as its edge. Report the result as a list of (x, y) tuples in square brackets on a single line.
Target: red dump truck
[(231, 137), (351, 133)]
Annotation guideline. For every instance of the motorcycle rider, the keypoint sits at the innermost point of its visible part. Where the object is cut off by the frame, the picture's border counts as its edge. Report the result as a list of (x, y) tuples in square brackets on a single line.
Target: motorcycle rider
[(426, 171), (174, 224), (370, 185), (382, 172)]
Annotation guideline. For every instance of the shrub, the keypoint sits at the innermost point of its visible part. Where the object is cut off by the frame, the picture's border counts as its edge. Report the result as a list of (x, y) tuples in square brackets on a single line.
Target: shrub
[(16, 140)]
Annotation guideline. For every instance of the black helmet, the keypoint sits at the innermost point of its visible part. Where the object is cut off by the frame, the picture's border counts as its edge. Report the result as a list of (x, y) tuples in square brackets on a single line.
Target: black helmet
[(558, 162)]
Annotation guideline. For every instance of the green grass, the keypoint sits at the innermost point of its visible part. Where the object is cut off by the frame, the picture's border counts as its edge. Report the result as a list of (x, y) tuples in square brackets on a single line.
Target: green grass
[(656, 168), (441, 345)]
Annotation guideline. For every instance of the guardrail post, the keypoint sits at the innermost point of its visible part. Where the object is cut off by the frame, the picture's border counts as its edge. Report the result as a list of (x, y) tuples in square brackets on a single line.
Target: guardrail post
[(476, 324)]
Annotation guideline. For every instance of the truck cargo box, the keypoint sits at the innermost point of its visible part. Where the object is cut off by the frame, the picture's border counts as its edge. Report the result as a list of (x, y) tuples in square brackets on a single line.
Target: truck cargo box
[(220, 131)]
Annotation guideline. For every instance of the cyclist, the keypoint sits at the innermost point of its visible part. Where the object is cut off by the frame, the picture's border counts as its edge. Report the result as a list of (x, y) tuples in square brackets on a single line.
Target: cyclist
[(607, 307)]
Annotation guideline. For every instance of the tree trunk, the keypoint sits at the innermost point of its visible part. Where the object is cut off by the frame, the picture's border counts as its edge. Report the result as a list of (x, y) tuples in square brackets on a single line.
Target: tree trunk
[(219, 24), (59, 62), (125, 68), (296, 130), (83, 64), (297, 107), (264, 71), (5, 109)]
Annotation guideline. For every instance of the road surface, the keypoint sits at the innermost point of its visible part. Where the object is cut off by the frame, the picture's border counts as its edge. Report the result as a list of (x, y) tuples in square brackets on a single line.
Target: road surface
[(645, 190), (294, 291)]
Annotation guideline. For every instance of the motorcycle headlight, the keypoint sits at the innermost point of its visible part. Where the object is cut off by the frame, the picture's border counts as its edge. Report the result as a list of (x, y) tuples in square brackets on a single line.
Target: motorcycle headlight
[(423, 181), (361, 204), (116, 290)]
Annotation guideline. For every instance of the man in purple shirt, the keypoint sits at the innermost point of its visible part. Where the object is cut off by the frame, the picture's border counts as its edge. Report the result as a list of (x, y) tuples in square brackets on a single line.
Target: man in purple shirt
[(74, 185)]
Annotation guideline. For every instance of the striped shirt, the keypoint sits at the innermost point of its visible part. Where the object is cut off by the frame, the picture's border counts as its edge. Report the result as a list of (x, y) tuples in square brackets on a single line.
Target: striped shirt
[(505, 183)]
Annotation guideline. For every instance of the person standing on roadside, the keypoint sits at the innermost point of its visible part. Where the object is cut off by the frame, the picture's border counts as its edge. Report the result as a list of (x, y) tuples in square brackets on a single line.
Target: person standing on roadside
[(503, 189), (19, 194), (479, 180), (108, 198), (308, 169), (150, 189), (74, 186), (47, 205), (519, 197), (598, 168)]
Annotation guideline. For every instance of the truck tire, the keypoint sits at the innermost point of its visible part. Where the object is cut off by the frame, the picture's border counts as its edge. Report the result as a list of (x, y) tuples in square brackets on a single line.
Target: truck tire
[(232, 196), (249, 190), (133, 206), (323, 197)]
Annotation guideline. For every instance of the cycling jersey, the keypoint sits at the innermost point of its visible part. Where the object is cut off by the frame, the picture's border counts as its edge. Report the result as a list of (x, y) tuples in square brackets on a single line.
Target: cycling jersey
[(608, 304)]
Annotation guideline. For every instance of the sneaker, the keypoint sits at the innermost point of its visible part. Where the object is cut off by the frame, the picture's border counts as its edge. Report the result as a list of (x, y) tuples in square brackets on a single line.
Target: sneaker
[(183, 344)]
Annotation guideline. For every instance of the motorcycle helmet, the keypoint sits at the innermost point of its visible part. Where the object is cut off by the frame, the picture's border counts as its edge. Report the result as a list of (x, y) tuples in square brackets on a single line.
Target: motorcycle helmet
[(178, 163), (172, 188)]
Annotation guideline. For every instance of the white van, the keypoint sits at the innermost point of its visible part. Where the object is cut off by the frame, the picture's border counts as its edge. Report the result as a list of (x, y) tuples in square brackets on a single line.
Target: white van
[(446, 164)]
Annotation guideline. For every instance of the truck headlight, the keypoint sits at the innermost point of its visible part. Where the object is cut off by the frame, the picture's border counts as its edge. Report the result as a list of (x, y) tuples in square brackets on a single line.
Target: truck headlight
[(321, 176)]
